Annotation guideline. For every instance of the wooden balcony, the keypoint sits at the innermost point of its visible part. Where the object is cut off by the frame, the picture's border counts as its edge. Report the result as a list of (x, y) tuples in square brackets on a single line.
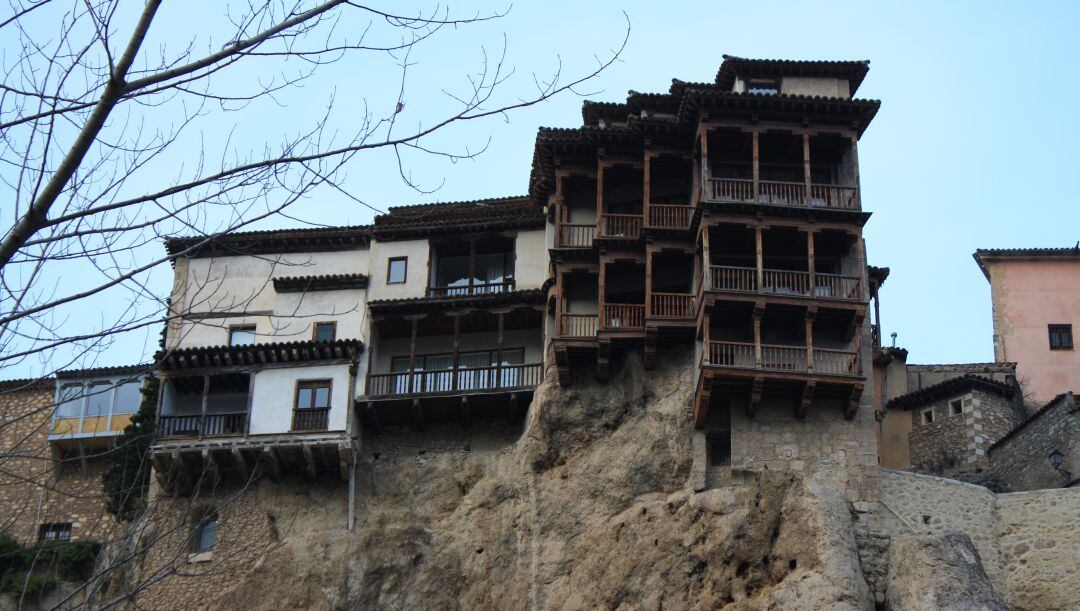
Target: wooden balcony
[(311, 419), (778, 193), (723, 278), (619, 316), (621, 226), (665, 216), (578, 325), (673, 305), (575, 236), (454, 381), (211, 425), (471, 289), (794, 359)]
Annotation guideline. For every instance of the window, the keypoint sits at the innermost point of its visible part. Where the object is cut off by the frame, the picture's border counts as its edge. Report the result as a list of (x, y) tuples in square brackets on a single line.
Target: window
[(205, 534), (927, 416), (313, 394), (56, 531), (128, 398), (956, 407), (71, 401), (763, 85), (719, 448), (1061, 337), (396, 270), (242, 335), (325, 331), (99, 399)]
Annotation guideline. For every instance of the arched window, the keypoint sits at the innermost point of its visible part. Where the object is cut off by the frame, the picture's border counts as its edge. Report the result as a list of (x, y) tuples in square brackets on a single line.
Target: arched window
[(205, 534)]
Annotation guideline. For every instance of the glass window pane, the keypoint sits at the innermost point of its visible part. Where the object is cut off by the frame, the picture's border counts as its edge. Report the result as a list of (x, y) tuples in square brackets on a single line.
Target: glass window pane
[(71, 401), (395, 273), (303, 398), (452, 272), (128, 398), (324, 332), (207, 536), (99, 399), (322, 396), (242, 336)]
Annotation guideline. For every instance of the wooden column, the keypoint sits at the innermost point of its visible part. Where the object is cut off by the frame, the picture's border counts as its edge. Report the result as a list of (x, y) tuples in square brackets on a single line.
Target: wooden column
[(472, 265), (498, 351), (810, 261), (648, 281), (755, 165), (759, 254), (811, 314), (806, 164), (250, 396), (707, 330), (759, 310), (560, 303), (855, 170), (412, 352), (600, 295), (599, 197), (645, 190), (457, 350), (205, 400), (705, 165)]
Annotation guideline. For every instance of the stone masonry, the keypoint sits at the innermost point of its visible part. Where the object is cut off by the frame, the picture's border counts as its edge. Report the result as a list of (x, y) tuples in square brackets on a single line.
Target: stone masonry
[(1021, 459), (953, 444)]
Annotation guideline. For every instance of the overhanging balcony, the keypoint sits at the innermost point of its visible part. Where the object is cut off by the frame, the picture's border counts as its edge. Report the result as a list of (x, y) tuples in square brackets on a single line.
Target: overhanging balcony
[(730, 279), (578, 326), (665, 216), (779, 358), (673, 305), (621, 226), (575, 235), (779, 193), (623, 316), (455, 380), (197, 425)]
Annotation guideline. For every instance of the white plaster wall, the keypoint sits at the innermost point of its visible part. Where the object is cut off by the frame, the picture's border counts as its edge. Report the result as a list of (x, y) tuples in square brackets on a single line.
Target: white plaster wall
[(416, 277), (804, 85), (529, 339), (295, 313), (275, 390), (531, 260)]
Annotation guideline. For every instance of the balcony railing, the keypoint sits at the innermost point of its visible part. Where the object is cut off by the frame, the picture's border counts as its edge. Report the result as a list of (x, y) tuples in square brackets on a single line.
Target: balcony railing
[(494, 377), (665, 216), (741, 355), (578, 325), (784, 282), (212, 425), (575, 236), (620, 226), (473, 288), (673, 305), (624, 316), (311, 419), (784, 193)]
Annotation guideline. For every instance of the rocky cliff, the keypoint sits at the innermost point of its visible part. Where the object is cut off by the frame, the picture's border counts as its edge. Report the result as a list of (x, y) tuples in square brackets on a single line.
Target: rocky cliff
[(588, 508)]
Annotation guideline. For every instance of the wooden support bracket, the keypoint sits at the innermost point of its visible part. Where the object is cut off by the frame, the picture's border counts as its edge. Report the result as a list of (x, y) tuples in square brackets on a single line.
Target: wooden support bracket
[(603, 360), (702, 398), (270, 454), (466, 415), (309, 460), (755, 396), (418, 414), (807, 399), (562, 363), (652, 334), (373, 417), (853, 401), (241, 462)]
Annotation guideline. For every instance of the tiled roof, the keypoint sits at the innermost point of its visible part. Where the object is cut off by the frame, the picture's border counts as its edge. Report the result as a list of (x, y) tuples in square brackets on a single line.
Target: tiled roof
[(308, 239), (330, 282), (483, 214), (1042, 410), (853, 71), (948, 389), (258, 354), (26, 384), (96, 372), (984, 255), (1003, 365), (414, 304)]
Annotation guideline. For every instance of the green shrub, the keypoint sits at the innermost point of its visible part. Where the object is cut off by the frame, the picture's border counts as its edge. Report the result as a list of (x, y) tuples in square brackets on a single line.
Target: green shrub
[(127, 482), (9, 549), (76, 560)]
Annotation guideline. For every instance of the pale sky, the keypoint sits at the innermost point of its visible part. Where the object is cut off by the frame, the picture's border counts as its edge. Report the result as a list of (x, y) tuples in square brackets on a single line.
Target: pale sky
[(972, 147)]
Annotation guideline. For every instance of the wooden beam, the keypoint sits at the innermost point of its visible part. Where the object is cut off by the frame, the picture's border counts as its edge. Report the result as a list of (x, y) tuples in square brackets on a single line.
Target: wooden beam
[(759, 313), (309, 460), (807, 399), (412, 351), (652, 333), (241, 461), (373, 417), (344, 461), (645, 188), (603, 360), (270, 454), (205, 399), (811, 314), (806, 164), (466, 415), (853, 401), (754, 162), (755, 396), (514, 407), (418, 414), (210, 466), (599, 198), (702, 397), (810, 266), (562, 363), (759, 258)]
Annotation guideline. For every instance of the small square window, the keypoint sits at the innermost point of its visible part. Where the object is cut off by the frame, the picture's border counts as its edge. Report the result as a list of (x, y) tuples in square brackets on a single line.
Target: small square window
[(1061, 337), (325, 331), (927, 416), (313, 394), (396, 270), (719, 448), (205, 534), (242, 335), (956, 407), (768, 86), (57, 531)]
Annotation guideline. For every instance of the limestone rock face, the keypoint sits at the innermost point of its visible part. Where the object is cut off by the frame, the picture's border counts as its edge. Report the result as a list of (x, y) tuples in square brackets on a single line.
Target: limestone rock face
[(589, 509), (938, 572)]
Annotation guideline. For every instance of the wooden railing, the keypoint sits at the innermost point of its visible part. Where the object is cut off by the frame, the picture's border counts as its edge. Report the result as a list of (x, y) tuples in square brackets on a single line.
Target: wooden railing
[(833, 286), (784, 282), (620, 225), (836, 361), (731, 354), (213, 425), (673, 305), (311, 419), (422, 382), (732, 189), (782, 358), (624, 316), (784, 193), (475, 288), (575, 236), (834, 196), (665, 216), (578, 325), (724, 278)]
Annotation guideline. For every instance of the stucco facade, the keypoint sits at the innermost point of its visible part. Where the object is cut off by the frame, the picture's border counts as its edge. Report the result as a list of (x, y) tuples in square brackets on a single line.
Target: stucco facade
[(1032, 289)]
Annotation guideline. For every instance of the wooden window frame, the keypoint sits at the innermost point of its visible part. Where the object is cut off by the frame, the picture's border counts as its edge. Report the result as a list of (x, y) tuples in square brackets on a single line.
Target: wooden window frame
[(55, 527), (425, 355), (956, 407), (329, 396), (315, 329), (233, 328), (390, 264), (1064, 332)]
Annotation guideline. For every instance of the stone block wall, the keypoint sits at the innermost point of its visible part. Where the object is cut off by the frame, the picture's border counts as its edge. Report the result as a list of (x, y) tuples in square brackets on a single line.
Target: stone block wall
[(1029, 542), (1021, 460), (959, 444), (35, 488), (406, 442)]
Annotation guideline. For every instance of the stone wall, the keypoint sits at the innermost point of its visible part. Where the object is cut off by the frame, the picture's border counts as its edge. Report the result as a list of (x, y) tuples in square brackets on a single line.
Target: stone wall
[(959, 444), (1021, 460), (1029, 542), (406, 442), (35, 487)]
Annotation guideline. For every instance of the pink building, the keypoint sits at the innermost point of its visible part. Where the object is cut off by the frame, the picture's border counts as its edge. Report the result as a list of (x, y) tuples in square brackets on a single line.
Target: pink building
[(1036, 301)]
